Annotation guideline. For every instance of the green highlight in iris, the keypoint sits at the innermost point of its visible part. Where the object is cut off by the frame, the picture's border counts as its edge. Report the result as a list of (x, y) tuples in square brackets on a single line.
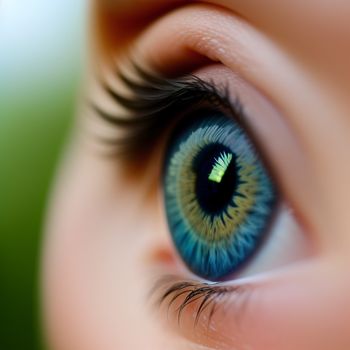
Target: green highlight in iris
[(220, 167)]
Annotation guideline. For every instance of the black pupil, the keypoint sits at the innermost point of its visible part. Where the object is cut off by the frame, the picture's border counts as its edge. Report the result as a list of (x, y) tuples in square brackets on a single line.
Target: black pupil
[(216, 171)]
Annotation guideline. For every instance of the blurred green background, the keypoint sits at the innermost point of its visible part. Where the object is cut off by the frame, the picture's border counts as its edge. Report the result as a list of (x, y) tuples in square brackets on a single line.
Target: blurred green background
[(41, 55)]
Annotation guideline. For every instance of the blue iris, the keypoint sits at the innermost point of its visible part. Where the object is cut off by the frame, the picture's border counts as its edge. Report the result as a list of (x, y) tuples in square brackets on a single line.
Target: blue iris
[(219, 197)]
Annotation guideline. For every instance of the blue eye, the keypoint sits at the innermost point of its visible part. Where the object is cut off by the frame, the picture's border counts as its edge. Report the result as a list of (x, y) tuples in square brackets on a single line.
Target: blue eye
[(218, 195)]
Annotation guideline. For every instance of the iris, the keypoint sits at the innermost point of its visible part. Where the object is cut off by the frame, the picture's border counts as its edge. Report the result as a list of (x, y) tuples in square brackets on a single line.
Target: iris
[(218, 195)]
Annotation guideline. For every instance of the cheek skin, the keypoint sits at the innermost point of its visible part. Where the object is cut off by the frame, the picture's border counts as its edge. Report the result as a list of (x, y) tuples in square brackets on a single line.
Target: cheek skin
[(95, 285)]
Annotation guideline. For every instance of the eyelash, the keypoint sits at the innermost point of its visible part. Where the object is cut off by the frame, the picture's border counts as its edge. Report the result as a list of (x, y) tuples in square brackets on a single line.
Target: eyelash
[(152, 98), (210, 296)]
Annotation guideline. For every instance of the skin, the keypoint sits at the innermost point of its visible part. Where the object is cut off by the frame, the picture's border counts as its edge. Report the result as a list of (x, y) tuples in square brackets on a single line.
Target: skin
[(107, 237)]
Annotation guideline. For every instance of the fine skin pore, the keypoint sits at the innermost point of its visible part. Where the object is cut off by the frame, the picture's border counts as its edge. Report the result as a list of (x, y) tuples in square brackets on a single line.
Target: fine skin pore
[(107, 239)]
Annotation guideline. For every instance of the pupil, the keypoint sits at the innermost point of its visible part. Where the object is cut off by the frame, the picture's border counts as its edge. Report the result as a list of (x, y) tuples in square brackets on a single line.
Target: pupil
[(216, 178)]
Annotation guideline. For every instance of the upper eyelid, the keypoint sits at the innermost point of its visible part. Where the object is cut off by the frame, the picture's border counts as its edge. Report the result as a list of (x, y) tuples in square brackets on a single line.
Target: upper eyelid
[(233, 42), (230, 40)]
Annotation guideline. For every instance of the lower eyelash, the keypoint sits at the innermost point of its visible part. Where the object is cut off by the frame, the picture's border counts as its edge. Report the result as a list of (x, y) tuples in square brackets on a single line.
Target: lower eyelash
[(205, 298)]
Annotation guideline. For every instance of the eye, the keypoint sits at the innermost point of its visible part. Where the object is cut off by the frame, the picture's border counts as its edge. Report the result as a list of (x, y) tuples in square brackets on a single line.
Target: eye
[(225, 214), (219, 198)]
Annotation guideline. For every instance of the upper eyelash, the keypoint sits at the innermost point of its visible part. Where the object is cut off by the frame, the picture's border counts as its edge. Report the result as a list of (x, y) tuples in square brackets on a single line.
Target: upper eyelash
[(152, 98)]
